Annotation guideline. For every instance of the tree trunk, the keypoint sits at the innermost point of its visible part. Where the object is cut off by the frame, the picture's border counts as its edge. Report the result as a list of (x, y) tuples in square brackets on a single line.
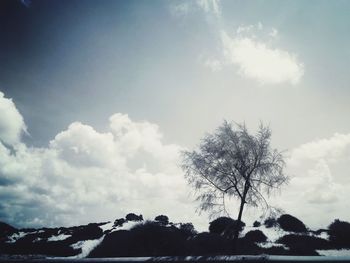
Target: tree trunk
[(239, 218)]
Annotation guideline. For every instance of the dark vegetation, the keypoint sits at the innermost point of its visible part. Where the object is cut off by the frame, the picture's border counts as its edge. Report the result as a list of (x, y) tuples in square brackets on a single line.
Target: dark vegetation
[(161, 237), (255, 236), (231, 162), (256, 224), (225, 226), (339, 233), (270, 222), (291, 223), (36, 240), (304, 245)]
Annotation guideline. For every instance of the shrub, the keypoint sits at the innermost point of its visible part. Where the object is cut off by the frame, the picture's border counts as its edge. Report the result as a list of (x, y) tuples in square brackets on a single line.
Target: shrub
[(339, 233), (187, 229), (270, 222), (224, 226), (119, 222), (255, 236), (152, 239), (147, 239), (115, 244), (256, 224), (133, 217), (88, 232), (31, 244), (291, 223), (208, 244), (304, 243), (162, 219)]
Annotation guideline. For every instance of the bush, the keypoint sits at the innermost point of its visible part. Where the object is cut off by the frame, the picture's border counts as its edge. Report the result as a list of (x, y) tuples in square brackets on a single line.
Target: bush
[(208, 244), (187, 229), (87, 232), (256, 224), (115, 244), (133, 217), (291, 223), (224, 226), (255, 236), (119, 222), (306, 245), (30, 245), (162, 219), (147, 239), (270, 222), (339, 233), (152, 239)]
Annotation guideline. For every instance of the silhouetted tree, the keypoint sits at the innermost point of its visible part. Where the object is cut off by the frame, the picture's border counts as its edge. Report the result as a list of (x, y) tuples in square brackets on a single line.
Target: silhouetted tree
[(119, 222), (133, 217), (187, 228), (231, 162), (225, 226), (339, 233), (162, 219)]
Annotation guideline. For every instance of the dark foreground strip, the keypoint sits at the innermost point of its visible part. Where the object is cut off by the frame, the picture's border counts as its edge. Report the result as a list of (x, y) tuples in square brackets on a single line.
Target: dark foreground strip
[(202, 259)]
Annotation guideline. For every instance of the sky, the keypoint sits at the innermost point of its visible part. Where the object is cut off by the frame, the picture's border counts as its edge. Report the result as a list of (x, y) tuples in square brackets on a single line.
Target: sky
[(99, 98)]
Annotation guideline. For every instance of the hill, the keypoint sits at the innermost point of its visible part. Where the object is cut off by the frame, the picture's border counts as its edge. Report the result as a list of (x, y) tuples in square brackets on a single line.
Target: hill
[(133, 236)]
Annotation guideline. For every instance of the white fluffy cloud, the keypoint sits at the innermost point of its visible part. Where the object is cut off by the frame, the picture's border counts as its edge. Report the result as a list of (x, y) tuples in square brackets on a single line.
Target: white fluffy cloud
[(85, 175), (258, 60), (319, 186), (11, 122), (250, 49)]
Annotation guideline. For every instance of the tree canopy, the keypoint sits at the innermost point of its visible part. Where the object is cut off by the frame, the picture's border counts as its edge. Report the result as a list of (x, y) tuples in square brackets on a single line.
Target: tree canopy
[(231, 162)]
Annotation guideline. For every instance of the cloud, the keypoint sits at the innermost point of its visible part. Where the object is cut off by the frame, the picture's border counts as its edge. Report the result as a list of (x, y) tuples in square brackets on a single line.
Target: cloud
[(329, 149), (210, 6), (257, 60), (247, 50), (11, 122), (85, 175), (213, 64), (318, 190), (180, 9)]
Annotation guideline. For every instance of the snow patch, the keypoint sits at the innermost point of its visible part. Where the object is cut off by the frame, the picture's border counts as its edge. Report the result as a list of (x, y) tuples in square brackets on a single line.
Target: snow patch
[(58, 237), (271, 244), (86, 247), (335, 252), (37, 240), (13, 238), (107, 226), (128, 225), (323, 235)]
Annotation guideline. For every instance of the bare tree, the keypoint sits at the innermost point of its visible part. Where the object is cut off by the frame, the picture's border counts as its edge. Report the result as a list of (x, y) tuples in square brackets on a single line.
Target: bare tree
[(233, 163)]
